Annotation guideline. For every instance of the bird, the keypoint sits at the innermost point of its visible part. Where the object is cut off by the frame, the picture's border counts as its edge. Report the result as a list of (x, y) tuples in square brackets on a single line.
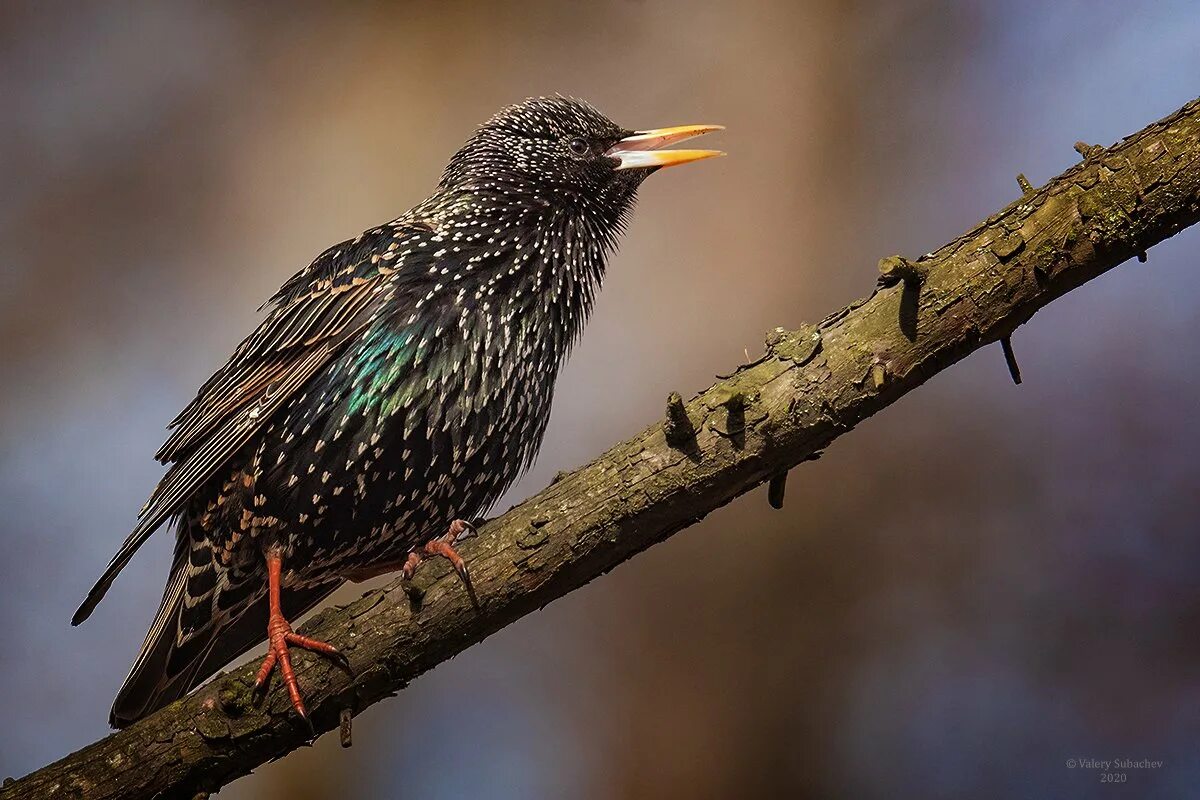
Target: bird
[(395, 388)]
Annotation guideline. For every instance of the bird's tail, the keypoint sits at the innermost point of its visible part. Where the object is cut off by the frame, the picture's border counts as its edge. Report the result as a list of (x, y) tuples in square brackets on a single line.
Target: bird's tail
[(197, 631)]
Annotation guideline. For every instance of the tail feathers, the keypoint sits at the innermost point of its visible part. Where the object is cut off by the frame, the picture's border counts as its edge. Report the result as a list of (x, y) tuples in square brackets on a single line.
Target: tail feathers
[(169, 665), (130, 546), (169, 659)]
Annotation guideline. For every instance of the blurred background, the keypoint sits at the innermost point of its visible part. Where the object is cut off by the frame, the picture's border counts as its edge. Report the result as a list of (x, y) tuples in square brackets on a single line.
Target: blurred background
[(977, 585)]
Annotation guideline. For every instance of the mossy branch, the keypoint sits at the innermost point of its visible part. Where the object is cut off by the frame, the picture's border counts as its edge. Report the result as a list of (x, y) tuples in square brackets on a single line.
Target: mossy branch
[(811, 385)]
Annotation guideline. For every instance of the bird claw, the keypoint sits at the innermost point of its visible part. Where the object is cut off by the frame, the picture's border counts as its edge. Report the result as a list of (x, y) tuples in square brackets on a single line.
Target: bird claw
[(460, 530), (464, 575), (279, 636)]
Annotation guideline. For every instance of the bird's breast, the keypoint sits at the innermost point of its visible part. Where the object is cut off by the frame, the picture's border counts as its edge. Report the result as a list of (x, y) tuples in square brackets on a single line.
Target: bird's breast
[(407, 432)]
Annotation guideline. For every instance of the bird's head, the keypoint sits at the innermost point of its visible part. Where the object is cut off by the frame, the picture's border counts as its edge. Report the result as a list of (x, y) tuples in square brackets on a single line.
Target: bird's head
[(563, 154)]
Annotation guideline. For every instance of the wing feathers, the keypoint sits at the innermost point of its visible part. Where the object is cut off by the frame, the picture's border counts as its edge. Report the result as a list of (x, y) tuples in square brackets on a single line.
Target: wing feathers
[(186, 476), (316, 313), (309, 320)]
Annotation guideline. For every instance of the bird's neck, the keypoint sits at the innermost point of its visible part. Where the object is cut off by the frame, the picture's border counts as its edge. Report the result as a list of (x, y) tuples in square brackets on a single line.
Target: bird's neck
[(537, 266)]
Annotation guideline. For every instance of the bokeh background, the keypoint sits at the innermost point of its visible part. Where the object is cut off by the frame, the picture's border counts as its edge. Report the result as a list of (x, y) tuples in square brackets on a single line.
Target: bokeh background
[(977, 585)]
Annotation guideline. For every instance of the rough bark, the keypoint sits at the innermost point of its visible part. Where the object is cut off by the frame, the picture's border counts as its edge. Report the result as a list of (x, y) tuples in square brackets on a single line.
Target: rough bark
[(768, 416)]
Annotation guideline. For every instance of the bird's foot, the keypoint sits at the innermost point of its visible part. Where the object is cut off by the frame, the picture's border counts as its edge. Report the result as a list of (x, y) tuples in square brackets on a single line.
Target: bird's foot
[(280, 635), (443, 546)]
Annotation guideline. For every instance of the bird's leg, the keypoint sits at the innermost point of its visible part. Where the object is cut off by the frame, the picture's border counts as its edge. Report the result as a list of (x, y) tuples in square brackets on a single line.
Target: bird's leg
[(443, 546), (379, 568), (280, 635)]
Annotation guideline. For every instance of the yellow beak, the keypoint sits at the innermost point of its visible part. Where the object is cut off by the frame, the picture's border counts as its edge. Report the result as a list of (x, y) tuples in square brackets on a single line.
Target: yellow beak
[(643, 149)]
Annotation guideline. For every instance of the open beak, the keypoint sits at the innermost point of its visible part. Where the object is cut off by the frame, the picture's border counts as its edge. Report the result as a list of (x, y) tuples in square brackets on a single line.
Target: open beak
[(644, 148)]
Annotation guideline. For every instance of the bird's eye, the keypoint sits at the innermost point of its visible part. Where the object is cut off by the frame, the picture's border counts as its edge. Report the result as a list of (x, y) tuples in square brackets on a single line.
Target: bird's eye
[(578, 146)]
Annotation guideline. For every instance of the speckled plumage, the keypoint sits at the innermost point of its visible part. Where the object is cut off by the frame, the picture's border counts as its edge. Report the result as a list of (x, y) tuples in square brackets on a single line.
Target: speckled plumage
[(402, 380)]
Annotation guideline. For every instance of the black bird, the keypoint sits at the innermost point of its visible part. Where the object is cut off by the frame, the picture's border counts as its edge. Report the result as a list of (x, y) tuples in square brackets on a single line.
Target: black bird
[(398, 385)]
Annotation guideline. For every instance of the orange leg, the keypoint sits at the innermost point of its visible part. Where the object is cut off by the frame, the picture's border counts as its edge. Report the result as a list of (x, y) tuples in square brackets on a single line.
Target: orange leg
[(280, 635), (444, 546), (439, 546)]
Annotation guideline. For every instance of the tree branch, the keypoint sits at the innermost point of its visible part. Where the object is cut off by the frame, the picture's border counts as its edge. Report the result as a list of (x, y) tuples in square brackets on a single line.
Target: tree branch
[(812, 385)]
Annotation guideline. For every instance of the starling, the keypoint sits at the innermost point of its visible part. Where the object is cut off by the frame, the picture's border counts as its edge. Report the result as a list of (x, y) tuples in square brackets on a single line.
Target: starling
[(397, 387)]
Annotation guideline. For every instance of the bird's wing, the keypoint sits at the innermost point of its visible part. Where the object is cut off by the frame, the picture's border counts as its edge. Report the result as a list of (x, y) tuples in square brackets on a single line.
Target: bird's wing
[(313, 315), (316, 305)]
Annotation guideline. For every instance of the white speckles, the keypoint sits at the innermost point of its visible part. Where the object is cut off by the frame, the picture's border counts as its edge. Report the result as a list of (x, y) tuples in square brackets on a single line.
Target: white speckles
[(473, 404)]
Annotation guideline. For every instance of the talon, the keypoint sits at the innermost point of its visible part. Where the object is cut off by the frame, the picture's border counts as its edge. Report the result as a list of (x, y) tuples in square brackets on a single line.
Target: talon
[(464, 575), (264, 672), (410, 565), (443, 546), (460, 530)]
